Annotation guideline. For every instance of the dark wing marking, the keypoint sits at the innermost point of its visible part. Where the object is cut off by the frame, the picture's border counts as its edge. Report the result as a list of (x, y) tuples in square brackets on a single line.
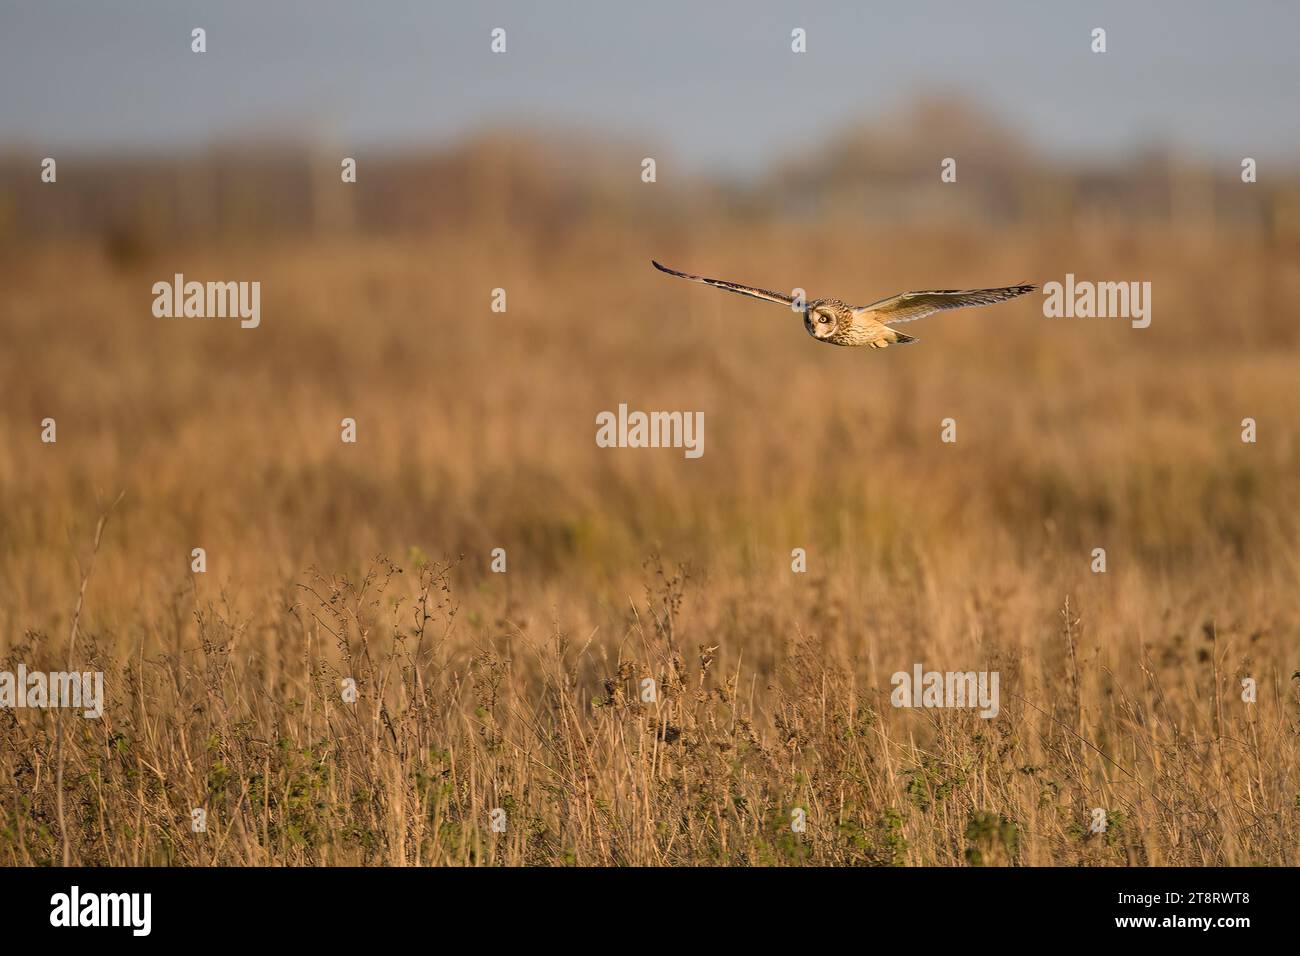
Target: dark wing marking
[(910, 306), (748, 290)]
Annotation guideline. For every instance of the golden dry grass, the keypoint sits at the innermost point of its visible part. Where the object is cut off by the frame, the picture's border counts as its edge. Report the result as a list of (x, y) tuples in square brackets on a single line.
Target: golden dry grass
[(519, 691)]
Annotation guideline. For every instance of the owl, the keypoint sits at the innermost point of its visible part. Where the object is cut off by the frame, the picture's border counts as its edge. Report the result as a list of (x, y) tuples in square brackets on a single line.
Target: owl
[(835, 322)]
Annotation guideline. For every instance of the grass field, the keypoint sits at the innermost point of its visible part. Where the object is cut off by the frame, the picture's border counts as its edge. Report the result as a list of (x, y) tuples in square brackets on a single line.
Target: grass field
[(520, 691)]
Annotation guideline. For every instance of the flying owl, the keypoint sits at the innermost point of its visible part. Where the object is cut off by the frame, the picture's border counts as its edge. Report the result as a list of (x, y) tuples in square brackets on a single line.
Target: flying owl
[(835, 322)]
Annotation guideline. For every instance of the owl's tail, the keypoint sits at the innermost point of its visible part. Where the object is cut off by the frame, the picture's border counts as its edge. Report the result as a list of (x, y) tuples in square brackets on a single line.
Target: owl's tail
[(887, 336)]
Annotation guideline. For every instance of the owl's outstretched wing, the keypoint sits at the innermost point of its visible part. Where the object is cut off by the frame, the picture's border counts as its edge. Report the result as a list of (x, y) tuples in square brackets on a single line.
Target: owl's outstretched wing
[(748, 290), (910, 306)]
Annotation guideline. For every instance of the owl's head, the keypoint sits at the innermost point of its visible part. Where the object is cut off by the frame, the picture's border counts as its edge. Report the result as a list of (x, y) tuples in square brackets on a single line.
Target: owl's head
[(820, 319)]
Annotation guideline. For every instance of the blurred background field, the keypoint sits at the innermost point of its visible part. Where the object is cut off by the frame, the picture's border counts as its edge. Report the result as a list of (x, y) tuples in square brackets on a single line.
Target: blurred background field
[(476, 431)]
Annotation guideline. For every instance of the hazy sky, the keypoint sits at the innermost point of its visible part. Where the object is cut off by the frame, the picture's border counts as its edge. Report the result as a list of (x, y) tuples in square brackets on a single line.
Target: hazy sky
[(714, 82)]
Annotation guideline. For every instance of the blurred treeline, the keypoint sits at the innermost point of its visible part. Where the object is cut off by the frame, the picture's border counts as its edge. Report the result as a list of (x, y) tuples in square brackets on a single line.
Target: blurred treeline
[(541, 181)]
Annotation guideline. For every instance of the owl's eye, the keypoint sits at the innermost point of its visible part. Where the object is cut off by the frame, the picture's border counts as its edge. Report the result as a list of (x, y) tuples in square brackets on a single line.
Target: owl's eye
[(823, 318)]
